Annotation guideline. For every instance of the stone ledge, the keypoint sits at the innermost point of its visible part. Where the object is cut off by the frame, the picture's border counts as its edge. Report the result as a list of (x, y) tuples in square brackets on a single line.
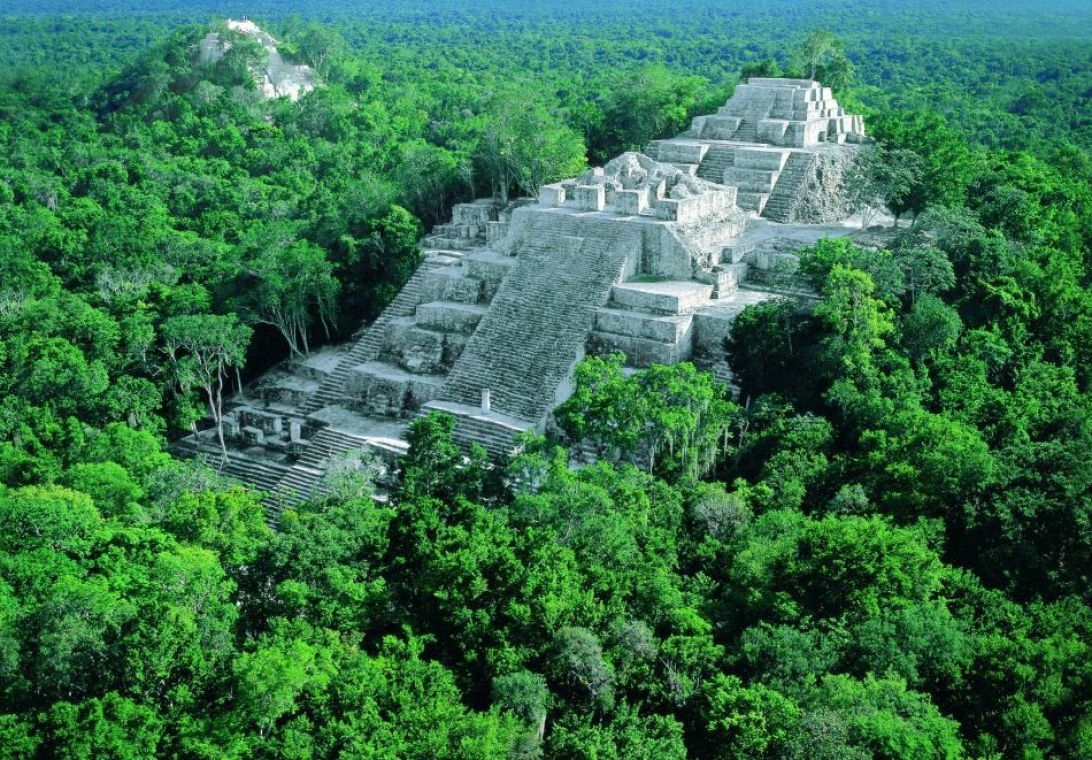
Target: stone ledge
[(640, 352), (668, 328), (450, 316), (515, 424), (671, 297)]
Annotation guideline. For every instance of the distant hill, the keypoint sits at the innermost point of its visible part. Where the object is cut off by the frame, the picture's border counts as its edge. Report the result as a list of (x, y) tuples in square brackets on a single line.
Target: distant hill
[(201, 62)]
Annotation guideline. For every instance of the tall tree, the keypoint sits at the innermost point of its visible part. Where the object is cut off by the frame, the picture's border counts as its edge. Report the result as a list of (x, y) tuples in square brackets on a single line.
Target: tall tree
[(645, 104), (524, 145), (294, 284), (822, 56), (201, 349)]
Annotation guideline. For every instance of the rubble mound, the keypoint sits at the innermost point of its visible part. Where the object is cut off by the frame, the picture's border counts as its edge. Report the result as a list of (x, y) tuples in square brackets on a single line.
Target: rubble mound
[(277, 78)]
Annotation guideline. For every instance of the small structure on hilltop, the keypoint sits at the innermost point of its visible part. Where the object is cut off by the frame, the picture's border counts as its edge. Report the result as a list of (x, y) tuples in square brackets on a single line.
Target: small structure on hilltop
[(277, 78), (653, 254)]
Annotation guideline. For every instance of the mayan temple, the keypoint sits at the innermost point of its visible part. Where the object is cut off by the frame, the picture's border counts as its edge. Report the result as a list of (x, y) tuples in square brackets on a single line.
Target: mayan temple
[(653, 254)]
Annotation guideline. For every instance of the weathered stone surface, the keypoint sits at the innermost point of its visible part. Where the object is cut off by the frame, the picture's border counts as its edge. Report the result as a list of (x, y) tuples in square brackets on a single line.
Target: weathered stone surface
[(388, 391), (797, 113), (783, 144), (662, 297), (812, 191)]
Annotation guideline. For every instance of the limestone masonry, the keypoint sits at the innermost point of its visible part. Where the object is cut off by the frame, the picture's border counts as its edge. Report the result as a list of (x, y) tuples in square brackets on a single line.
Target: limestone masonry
[(653, 254)]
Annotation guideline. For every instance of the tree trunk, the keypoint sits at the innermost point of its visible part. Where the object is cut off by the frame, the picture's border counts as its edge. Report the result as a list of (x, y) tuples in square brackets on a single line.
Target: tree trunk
[(216, 407)]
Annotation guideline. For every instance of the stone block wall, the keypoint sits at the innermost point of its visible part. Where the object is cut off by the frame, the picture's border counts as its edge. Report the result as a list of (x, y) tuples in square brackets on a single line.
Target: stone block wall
[(797, 113), (695, 208)]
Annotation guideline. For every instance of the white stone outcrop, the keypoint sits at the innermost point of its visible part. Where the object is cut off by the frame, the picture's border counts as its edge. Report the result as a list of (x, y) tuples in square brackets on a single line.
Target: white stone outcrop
[(278, 78)]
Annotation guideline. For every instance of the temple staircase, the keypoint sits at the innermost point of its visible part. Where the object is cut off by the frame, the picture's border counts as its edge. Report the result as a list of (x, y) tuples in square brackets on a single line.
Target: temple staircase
[(371, 342), (788, 190), (537, 326)]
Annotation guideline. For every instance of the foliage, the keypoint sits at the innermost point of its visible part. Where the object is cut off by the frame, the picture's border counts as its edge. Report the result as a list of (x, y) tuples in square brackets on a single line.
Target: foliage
[(675, 418), (883, 552)]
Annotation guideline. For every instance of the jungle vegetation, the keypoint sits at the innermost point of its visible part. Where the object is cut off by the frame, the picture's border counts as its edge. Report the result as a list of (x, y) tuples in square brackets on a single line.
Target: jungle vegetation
[(881, 547)]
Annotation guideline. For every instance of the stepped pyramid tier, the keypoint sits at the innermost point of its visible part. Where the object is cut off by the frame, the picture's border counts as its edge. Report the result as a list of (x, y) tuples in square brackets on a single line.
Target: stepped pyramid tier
[(791, 113), (653, 254), (785, 145)]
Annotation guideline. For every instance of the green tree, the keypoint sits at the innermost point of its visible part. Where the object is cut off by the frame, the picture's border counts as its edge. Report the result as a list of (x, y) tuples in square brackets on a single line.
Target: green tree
[(822, 57), (627, 734), (523, 145), (644, 104), (526, 696), (320, 45), (230, 522), (294, 283), (201, 350), (110, 727), (857, 322), (947, 163), (280, 671), (747, 721), (884, 177), (888, 720), (676, 418), (579, 663)]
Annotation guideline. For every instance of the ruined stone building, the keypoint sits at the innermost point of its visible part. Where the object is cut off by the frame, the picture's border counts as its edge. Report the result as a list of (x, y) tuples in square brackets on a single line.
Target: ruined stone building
[(653, 254)]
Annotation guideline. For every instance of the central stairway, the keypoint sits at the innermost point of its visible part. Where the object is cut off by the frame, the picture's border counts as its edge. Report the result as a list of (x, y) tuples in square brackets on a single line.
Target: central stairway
[(537, 325)]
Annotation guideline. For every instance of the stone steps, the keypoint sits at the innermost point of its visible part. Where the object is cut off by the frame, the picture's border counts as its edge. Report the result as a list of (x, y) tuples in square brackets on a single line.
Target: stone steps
[(758, 285), (718, 160), (257, 474), (788, 188), (453, 237), (298, 485), (371, 342), (726, 276), (444, 255), (303, 480), (537, 326), (262, 476), (668, 328), (681, 152), (488, 266), (722, 373), (494, 432), (328, 443), (747, 132), (780, 112)]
